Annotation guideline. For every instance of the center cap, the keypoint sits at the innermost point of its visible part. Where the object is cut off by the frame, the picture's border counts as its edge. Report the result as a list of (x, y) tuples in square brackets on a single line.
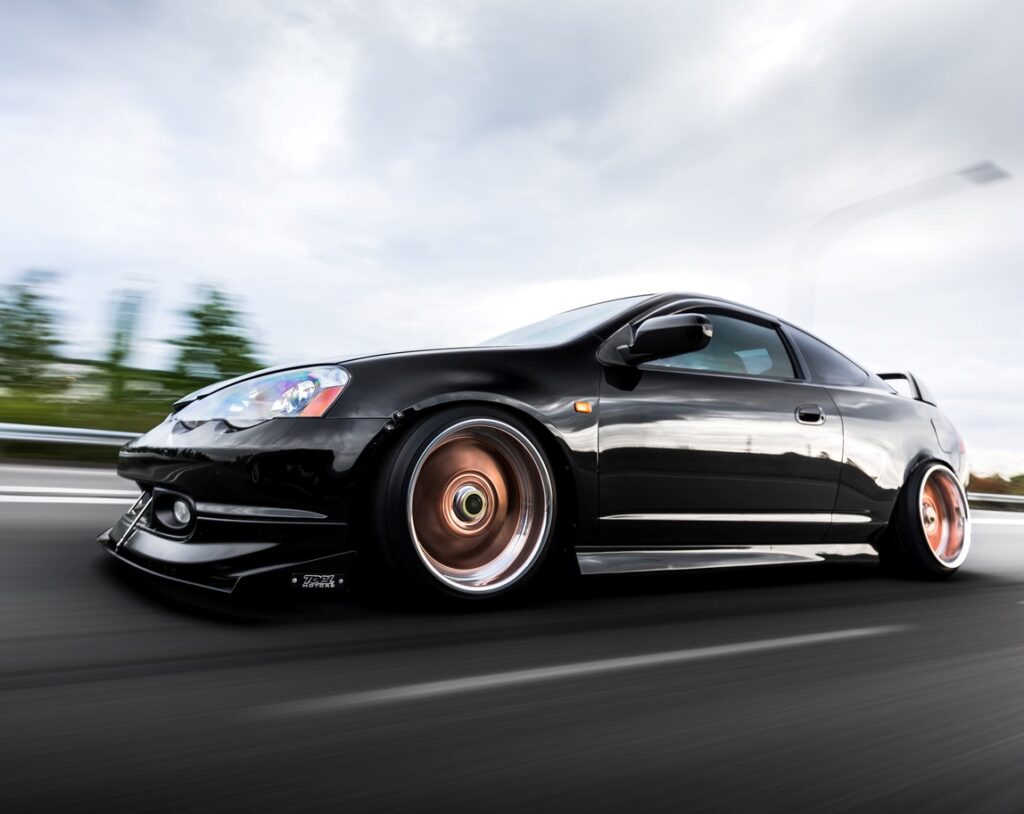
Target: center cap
[(469, 503)]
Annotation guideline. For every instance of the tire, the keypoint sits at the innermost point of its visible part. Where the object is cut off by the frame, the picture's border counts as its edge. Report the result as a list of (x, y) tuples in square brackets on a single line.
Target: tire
[(931, 528), (465, 505)]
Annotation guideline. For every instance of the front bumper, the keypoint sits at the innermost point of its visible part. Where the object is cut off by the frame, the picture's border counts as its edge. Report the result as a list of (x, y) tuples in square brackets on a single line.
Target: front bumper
[(270, 503), (220, 552)]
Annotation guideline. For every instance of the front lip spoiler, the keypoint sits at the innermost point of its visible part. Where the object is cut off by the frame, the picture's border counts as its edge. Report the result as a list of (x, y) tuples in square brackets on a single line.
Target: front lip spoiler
[(226, 583)]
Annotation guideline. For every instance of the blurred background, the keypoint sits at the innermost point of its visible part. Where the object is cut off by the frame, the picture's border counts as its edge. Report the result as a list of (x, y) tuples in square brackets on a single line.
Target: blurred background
[(194, 190)]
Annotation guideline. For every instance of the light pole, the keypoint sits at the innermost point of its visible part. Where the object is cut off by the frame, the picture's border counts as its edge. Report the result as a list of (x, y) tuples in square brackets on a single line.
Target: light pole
[(812, 244)]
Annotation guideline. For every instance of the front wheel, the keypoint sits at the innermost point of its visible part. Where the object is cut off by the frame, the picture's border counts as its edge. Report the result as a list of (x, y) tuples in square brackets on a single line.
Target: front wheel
[(466, 505), (932, 524)]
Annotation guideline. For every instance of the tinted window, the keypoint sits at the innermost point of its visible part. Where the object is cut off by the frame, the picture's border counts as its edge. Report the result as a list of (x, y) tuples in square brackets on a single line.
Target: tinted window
[(737, 346), (827, 365)]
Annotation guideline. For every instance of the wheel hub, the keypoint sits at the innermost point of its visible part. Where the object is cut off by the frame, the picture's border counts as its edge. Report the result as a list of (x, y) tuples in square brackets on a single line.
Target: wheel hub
[(467, 502), (929, 516)]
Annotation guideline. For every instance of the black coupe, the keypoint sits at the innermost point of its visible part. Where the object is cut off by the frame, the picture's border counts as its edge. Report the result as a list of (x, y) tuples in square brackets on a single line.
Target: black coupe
[(658, 432)]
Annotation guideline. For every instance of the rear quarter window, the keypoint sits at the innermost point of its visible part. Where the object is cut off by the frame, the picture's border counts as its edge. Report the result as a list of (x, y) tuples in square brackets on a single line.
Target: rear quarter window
[(826, 364)]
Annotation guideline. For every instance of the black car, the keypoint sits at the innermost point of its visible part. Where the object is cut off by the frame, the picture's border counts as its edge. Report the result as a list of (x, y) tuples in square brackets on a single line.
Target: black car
[(656, 432)]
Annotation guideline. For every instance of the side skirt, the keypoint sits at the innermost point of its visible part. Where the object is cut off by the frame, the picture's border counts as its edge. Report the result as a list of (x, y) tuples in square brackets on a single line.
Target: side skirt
[(632, 561)]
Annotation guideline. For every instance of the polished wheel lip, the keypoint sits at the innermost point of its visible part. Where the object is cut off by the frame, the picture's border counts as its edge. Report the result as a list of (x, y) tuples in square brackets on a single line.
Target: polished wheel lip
[(962, 496), (543, 514)]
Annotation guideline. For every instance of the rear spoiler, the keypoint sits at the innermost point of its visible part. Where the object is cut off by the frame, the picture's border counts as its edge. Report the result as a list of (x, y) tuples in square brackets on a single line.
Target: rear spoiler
[(917, 387)]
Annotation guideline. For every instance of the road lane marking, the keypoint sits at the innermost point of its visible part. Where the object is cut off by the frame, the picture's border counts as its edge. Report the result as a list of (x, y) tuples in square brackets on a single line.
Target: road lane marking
[(63, 491), (67, 494), (60, 470), (996, 521), (512, 678), (96, 501)]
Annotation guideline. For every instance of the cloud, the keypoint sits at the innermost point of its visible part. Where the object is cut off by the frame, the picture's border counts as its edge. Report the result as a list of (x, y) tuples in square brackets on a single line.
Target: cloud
[(444, 167)]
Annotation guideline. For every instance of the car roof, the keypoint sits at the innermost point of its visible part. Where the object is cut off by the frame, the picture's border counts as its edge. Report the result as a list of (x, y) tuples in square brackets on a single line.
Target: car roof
[(655, 301)]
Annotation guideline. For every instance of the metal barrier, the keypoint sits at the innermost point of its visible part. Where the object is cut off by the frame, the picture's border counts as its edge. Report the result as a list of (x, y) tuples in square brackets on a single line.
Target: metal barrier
[(984, 499), (64, 435)]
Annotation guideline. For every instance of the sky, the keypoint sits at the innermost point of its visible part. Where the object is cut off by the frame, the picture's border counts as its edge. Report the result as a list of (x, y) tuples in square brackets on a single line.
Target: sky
[(383, 175)]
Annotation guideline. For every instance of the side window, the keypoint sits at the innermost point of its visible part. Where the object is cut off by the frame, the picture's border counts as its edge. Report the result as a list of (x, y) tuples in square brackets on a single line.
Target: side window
[(827, 365), (737, 346)]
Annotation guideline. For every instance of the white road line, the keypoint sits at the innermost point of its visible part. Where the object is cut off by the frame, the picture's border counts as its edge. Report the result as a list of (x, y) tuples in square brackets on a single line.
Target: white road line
[(98, 501), (60, 470), (67, 490), (994, 521), (433, 689)]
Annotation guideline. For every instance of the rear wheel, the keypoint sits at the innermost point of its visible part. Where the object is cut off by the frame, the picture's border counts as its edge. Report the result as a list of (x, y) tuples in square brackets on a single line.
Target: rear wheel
[(932, 533), (466, 505)]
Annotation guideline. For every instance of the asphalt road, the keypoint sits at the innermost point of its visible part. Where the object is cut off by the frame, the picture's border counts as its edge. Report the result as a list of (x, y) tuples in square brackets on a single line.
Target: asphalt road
[(806, 688)]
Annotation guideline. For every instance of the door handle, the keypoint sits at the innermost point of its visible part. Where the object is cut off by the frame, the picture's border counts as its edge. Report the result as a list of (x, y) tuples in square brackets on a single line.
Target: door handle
[(810, 414)]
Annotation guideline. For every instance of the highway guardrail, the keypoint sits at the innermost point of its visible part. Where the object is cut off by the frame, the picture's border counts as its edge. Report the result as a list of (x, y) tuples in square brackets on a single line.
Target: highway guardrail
[(985, 499), (64, 435)]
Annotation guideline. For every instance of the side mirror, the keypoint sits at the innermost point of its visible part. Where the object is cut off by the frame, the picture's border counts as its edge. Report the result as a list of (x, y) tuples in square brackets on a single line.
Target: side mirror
[(671, 335)]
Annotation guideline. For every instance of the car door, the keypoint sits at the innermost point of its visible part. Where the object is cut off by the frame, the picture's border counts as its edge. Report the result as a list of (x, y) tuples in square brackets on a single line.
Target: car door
[(722, 446), (882, 433)]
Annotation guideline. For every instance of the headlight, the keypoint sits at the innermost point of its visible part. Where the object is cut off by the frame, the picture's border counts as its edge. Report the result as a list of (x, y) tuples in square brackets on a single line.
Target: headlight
[(300, 393)]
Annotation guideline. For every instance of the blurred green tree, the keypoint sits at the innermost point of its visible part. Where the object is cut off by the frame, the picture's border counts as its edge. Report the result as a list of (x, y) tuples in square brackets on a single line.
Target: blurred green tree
[(216, 346), (127, 305), (28, 334)]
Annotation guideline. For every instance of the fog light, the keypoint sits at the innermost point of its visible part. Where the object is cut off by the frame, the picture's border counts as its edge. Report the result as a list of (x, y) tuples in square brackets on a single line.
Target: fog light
[(182, 512)]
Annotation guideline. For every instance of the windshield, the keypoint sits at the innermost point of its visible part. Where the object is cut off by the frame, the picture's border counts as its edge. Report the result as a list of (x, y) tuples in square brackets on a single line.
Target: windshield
[(565, 326)]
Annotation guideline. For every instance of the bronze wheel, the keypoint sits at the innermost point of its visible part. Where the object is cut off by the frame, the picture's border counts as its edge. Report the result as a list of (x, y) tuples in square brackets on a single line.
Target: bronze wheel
[(930, 533), (944, 516), (480, 505)]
